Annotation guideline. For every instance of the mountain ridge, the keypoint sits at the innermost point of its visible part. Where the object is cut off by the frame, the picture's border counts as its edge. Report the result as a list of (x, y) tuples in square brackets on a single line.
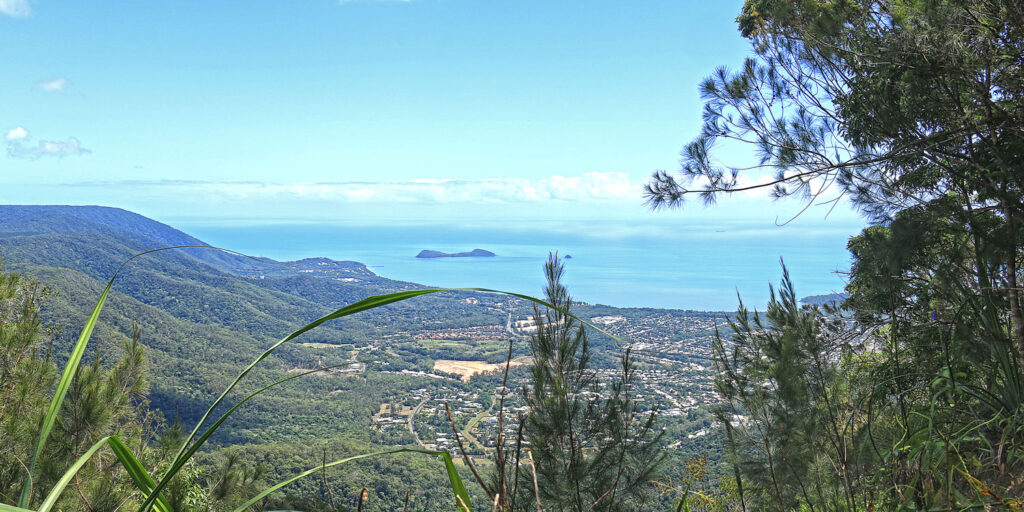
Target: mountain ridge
[(147, 232), (202, 320)]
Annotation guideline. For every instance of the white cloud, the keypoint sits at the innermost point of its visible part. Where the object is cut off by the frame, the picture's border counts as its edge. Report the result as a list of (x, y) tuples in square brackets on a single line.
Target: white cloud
[(55, 85), (15, 8), (20, 148), (589, 187), (19, 145), (16, 134)]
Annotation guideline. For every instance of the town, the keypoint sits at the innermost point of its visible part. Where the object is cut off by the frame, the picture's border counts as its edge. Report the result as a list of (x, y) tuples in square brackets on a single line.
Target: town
[(671, 350)]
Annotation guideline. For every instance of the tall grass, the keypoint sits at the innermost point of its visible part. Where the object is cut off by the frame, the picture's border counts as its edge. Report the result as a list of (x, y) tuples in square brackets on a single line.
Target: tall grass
[(151, 488)]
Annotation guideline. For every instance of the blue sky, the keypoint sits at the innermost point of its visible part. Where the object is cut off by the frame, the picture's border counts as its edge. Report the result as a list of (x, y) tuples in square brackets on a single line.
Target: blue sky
[(449, 110)]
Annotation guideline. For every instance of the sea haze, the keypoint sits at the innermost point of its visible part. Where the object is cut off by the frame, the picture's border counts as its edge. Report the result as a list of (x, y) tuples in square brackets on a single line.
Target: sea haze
[(619, 264)]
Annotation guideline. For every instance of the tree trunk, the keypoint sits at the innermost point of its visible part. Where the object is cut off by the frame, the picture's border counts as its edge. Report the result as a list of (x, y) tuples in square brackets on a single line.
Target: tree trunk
[(1016, 319)]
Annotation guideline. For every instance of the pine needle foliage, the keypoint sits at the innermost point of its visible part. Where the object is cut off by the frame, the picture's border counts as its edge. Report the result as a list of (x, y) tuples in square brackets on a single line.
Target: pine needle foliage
[(784, 378), (912, 111), (593, 448), (100, 402)]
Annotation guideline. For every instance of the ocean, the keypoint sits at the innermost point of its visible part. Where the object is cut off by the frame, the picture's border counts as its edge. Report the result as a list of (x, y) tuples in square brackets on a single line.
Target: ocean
[(618, 263)]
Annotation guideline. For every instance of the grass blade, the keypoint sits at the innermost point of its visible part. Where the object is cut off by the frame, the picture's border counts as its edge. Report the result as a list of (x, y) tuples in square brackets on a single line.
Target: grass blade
[(58, 488), (12, 508), (189, 447), (72, 367), (363, 305), (456, 482), (138, 474), (62, 390), (181, 460)]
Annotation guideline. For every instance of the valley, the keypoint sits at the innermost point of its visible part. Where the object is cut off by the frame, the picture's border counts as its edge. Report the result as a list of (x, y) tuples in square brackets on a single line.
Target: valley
[(204, 314)]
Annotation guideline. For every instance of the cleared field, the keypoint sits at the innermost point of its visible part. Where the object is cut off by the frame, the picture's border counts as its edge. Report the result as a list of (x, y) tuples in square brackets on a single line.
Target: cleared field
[(467, 369), (322, 345), (475, 344), (387, 408)]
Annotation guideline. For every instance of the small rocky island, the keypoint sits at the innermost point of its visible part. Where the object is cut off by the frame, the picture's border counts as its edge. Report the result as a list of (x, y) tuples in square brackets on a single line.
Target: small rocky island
[(475, 253)]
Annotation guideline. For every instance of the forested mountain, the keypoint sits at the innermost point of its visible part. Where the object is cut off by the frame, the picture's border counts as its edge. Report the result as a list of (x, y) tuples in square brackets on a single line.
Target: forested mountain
[(204, 314), (42, 219)]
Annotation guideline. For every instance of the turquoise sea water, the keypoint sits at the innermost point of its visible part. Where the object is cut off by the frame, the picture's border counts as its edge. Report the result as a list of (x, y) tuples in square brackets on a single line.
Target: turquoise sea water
[(620, 264)]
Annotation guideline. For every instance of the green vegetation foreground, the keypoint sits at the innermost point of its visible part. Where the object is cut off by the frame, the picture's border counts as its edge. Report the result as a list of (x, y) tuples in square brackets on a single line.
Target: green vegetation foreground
[(911, 395), (91, 413)]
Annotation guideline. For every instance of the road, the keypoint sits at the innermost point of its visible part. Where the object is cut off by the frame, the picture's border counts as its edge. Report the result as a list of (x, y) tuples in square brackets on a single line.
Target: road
[(473, 422), (412, 429)]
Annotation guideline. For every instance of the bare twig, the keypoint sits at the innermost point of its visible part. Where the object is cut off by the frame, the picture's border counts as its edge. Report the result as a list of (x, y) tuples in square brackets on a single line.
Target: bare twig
[(465, 456), (536, 486), (500, 448), (610, 490), (362, 499), (515, 475), (330, 495), (78, 488)]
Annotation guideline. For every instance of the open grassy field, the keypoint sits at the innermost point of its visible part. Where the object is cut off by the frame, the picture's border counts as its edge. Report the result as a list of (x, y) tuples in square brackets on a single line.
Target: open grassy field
[(466, 369), (323, 345)]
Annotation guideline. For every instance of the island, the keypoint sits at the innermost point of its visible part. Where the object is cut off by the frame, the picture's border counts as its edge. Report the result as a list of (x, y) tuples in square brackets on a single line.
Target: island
[(475, 253)]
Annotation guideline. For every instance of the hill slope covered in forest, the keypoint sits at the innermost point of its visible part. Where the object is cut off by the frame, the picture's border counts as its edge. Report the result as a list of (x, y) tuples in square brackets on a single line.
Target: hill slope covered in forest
[(204, 314)]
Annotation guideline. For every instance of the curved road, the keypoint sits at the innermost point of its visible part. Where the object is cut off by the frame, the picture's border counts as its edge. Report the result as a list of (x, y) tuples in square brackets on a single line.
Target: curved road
[(413, 429)]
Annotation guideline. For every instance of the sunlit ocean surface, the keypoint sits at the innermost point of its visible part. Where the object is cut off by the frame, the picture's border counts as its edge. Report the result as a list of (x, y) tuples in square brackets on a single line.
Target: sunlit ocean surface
[(683, 267)]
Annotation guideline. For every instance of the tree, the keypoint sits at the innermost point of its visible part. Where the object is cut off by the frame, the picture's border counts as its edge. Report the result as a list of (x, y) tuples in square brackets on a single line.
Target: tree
[(892, 103), (785, 381), (913, 111), (102, 400), (590, 446), (25, 372), (99, 403)]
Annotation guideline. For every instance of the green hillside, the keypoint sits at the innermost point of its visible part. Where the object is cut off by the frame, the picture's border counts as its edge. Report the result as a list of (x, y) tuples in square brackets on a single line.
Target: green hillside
[(205, 314), (199, 320), (202, 321)]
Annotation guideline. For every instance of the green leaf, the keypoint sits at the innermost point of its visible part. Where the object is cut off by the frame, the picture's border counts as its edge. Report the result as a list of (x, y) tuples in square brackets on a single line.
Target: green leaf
[(188, 447), (135, 470), (62, 390), (11, 508), (138, 474), (458, 488), (71, 368), (456, 482), (58, 488), (181, 460)]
